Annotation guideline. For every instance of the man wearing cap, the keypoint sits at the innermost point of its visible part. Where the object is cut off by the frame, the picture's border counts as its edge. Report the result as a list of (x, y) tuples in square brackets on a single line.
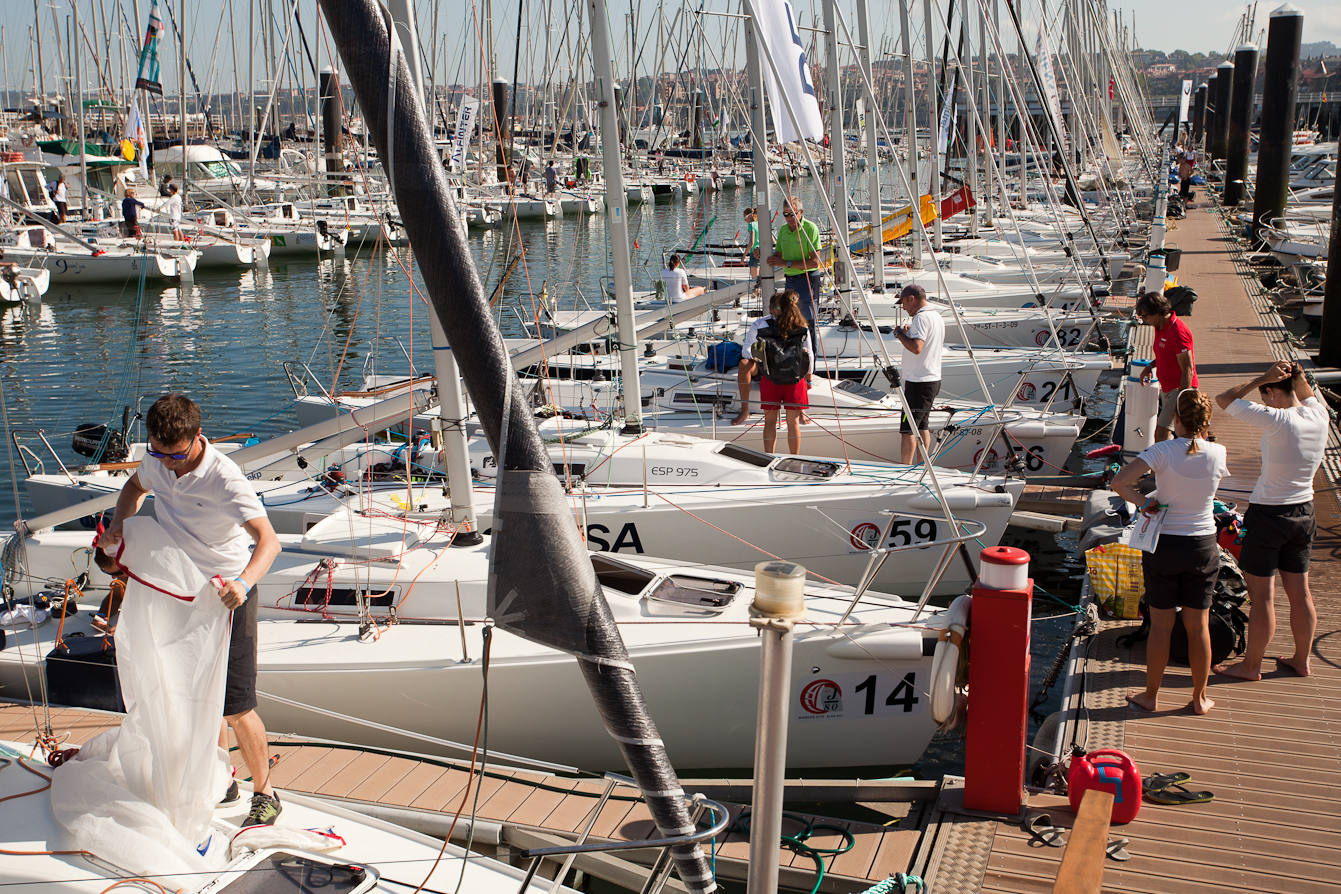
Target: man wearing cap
[(923, 344)]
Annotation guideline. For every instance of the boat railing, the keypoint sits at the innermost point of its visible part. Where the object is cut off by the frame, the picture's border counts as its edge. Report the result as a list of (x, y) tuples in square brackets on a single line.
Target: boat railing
[(965, 529), (299, 375), (26, 453), (660, 869)]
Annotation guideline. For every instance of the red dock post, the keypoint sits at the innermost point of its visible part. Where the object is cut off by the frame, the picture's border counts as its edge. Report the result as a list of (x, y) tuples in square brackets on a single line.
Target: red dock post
[(998, 683)]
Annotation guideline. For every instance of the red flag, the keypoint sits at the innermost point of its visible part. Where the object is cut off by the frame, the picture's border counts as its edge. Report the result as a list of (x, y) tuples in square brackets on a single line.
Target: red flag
[(1111, 85), (959, 200)]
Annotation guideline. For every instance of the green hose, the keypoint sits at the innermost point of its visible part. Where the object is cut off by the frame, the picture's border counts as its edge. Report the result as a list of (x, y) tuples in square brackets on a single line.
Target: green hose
[(797, 843)]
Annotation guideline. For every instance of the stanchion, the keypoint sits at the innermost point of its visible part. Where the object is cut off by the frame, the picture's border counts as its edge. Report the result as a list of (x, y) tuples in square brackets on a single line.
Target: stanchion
[(779, 599), (998, 683)]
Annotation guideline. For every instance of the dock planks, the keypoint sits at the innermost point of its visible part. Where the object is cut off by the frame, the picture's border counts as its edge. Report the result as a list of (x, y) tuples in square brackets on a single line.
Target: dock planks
[(520, 800), (1270, 751)]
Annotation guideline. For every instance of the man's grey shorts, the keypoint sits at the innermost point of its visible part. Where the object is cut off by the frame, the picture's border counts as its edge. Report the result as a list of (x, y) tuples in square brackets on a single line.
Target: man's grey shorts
[(1168, 406)]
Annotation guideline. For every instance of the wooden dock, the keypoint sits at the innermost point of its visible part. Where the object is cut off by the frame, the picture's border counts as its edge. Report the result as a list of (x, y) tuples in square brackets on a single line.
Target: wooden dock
[(505, 810), (1270, 751)]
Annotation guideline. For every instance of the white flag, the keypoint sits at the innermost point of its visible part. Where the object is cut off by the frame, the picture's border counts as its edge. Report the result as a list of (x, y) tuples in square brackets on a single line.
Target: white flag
[(1049, 78), (1182, 103), (947, 118), (776, 26), (135, 132), (465, 127)]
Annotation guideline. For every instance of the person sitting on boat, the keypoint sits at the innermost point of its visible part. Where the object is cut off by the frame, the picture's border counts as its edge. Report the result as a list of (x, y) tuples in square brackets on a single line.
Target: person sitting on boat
[(173, 208), (676, 282), (130, 215), (211, 511), (752, 241), (796, 250), (786, 384), (1183, 569), (1175, 364), (1279, 527)]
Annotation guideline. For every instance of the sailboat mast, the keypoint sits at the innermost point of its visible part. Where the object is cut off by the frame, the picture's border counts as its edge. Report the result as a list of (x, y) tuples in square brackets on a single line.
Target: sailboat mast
[(873, 115), (41, 78), (910, 128), (79, 93), (616, 217), (181, 88), (837, 141), (451, 404), (933, 126), (758, 139)]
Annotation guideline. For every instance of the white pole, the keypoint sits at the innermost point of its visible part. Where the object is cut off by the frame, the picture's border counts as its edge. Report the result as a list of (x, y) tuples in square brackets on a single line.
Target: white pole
[(779, 599), (837, 141), (933, 125), (616, 214), (910, 129), (758, 142), (873, 113)]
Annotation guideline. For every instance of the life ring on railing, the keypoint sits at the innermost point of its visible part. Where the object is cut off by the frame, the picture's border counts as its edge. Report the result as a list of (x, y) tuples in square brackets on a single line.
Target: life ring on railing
[(689, 177), (945, 663)]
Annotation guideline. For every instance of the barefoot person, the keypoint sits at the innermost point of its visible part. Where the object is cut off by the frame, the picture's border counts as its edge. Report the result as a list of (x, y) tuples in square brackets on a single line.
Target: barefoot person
[(1279, 526), (212, 512), (1184, 567)]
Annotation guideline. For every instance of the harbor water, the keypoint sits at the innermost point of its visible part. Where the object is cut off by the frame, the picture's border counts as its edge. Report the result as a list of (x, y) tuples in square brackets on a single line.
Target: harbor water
[(88, 352)]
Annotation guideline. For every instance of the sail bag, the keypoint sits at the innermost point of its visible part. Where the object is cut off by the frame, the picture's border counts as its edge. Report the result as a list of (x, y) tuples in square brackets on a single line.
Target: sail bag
[(143, 794)]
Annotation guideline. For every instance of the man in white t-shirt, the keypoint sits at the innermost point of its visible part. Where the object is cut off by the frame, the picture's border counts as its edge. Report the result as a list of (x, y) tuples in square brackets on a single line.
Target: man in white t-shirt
[(173, 208), (1279, 526), (923, 342), (210, 510), (676, 282)]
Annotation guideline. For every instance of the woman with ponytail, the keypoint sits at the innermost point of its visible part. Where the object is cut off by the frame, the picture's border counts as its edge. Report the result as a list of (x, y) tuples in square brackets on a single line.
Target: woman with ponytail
[(1182, 571)]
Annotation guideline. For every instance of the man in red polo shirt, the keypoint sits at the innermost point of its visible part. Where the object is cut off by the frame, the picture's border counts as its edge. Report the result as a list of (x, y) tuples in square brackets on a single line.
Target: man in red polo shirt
[(1175, 364)]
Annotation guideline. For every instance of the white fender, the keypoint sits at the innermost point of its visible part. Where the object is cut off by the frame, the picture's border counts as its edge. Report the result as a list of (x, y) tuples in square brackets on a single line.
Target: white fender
[(945, 664)]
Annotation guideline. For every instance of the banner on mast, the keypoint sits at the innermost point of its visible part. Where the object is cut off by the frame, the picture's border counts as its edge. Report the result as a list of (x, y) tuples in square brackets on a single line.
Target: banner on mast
[(1183, 103), (948, 102), (775, 23), (148, 73), (465, 127), (1048, 76), (135, 133)]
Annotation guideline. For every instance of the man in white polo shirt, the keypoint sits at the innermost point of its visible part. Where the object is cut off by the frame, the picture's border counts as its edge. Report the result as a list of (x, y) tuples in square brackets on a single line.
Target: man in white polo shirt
[(210, 510), (1279, 527), (923, 343)]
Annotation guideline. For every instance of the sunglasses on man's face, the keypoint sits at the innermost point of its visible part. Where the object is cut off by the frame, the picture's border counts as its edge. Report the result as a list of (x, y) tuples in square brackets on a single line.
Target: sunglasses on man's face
[(174, 456)]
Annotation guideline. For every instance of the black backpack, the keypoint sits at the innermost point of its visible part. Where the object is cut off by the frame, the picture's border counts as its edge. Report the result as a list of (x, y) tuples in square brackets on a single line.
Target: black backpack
[(782, 359)]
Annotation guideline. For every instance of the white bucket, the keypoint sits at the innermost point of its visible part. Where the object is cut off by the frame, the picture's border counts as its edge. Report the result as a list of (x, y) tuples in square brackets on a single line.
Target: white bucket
[(1142, 411)]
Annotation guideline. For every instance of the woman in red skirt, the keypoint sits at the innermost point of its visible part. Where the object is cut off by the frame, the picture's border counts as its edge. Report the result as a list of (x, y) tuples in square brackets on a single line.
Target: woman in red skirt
[(780, 345)]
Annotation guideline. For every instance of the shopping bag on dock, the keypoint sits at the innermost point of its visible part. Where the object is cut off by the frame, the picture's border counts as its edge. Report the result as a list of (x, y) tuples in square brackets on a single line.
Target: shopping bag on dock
[(1116, 578)]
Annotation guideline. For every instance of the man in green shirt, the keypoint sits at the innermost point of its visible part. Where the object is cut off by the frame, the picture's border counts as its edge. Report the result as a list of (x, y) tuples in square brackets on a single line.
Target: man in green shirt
[(796, 251)]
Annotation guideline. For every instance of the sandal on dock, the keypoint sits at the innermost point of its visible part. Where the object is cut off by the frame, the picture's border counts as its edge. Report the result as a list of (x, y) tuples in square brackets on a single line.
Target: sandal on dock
[(1163, 780), (1117, 850), (1042, 833), (1177, 793)]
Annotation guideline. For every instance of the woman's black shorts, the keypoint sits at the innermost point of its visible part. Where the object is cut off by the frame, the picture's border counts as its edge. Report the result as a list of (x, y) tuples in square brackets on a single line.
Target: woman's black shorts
[(240, 688), (1277, 537), (1181, 572)]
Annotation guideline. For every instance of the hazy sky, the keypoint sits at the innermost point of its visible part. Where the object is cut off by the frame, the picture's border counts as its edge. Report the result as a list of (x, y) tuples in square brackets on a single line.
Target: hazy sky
[(1194, 25)]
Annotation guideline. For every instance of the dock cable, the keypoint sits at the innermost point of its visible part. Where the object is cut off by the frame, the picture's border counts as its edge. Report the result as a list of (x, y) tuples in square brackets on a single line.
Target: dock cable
[(797, 843), (898, 883), (1085, 626)]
